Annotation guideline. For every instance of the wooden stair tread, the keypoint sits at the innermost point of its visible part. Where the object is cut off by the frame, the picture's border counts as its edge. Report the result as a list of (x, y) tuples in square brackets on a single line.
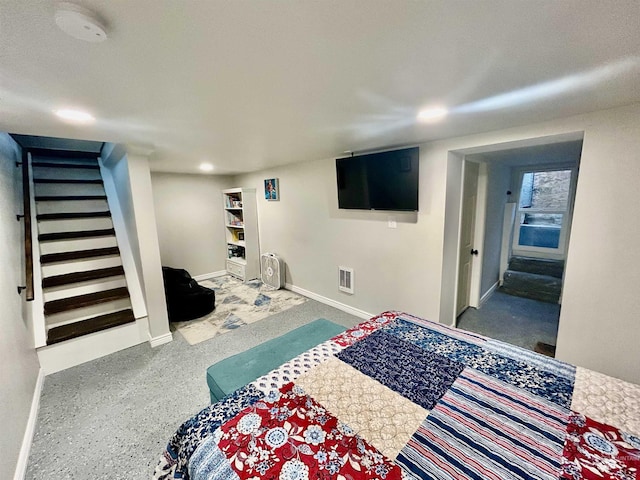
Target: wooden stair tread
[(56, 198), (64, 154), (46, 237), (105, 232), (83, 166), (78, 254), (86, 300), (90, 325), (72, 215), (75, 277), (69, 180), (545, 349)]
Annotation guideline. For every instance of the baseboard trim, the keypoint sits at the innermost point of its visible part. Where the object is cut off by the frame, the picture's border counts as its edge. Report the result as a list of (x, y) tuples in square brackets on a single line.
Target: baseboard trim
[(332, 303), (27, 440), (206, 276), (488, 294), (161, 340)]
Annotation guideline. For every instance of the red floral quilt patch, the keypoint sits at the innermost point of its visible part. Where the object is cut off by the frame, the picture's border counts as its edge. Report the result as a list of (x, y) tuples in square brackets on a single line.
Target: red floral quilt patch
[(364, 329), (593, 450), (292, 437)]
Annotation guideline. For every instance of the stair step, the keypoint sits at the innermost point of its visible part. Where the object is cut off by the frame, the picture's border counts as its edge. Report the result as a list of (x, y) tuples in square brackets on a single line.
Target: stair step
[(87, 300), (49, 153), (545, 349), (68, 180), (72, 215), (46, 237), (539, 266), (76, 277), (56, 198), (91, 325), (530, 285), (77, 255), (83, 166)]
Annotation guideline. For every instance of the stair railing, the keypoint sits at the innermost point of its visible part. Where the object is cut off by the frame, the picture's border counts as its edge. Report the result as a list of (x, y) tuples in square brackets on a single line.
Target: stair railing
[(26, 216)]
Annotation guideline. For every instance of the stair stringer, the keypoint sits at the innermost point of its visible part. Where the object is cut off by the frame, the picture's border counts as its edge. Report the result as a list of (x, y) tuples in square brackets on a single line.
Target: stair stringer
[(134, 284), (36, 307)]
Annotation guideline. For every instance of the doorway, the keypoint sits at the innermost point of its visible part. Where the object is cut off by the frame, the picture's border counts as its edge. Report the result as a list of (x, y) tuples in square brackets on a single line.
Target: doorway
[(524, 205)]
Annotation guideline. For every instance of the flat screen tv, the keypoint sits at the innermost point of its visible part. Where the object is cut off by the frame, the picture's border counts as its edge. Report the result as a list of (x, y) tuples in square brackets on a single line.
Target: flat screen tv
[(379, 181)]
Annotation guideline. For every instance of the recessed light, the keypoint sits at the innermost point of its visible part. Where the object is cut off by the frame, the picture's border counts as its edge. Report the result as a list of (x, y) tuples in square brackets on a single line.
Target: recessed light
[(206, 167), (432, 114), (75, 116)]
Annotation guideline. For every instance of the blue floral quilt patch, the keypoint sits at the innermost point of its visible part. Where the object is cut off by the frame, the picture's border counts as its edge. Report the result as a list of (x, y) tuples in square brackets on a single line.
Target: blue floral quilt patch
[(436, 342), (419, 375)]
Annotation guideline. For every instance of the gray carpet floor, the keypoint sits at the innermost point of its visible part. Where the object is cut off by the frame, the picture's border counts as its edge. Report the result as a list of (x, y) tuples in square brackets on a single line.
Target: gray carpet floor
[(112, 417), (515, 320)]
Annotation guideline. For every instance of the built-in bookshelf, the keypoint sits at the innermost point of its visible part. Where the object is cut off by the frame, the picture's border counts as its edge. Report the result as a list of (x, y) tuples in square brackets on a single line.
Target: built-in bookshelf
[(241, 232)]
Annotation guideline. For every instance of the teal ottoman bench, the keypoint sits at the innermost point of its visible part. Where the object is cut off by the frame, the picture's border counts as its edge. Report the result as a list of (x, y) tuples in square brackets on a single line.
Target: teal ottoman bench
[(234, 372)]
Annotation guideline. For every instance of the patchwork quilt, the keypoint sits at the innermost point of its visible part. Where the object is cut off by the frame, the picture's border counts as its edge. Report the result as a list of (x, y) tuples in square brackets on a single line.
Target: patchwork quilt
[(401, 397)]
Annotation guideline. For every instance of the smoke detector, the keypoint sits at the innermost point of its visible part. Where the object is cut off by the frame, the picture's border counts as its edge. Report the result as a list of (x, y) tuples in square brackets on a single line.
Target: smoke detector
[(80, 23)]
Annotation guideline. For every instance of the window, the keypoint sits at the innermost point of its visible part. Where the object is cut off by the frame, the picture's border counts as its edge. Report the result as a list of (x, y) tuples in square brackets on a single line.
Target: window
[(543, 210)]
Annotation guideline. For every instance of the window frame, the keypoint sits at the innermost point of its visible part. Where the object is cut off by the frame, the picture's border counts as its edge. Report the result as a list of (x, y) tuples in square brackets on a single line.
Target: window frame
[(567, 214)]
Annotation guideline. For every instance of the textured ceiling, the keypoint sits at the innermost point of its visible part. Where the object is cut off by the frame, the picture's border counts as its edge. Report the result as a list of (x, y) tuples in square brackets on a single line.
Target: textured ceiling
[(248, 84)]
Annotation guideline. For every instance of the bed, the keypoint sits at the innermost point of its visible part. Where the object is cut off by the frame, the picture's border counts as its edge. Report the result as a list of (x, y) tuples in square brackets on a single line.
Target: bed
[(401, 397)]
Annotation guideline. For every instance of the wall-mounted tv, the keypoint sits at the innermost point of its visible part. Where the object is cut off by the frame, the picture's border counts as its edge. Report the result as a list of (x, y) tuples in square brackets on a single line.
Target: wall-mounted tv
[(379, 181)]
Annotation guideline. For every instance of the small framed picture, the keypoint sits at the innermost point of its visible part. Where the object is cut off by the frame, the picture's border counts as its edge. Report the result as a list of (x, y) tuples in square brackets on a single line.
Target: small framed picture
[(271, 191)]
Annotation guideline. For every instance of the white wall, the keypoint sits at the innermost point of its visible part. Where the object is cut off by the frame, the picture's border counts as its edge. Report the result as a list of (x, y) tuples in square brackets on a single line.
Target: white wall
[(132, 178), (498, 182), (314, 237), (142, 194), (408, 268), (18, 361), (115, 160), (599, 325), (190, 221)]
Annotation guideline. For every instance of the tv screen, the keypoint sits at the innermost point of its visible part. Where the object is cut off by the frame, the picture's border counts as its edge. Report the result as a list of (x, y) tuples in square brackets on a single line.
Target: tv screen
[(379, 181)]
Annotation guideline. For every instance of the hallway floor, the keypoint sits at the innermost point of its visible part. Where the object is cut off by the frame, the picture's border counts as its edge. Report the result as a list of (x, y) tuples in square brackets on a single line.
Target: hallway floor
[(515, 320)]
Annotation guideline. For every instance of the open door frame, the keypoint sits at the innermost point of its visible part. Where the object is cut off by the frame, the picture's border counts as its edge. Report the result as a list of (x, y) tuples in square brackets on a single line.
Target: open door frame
[(453, 212)]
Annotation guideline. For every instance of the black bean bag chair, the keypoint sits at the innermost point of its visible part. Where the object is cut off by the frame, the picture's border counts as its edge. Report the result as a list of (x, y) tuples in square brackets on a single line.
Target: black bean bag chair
[(186, 299)]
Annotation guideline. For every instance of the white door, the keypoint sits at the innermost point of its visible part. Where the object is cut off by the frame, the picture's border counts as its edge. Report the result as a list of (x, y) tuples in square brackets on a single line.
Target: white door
[(467, 228)]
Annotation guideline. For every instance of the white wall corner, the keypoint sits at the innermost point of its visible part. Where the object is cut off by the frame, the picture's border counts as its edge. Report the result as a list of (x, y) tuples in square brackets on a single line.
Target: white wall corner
[(160, 340), (451, 239), (507, 238), (332, 303), (147, 232), (27, 440)]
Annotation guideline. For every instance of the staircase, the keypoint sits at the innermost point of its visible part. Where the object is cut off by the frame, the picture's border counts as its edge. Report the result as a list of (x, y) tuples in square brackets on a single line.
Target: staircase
[(83, 282), (535, 278)]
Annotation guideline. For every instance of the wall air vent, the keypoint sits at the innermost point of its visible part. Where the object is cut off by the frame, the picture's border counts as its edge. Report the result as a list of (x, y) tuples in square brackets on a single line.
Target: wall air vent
[(345, 279)]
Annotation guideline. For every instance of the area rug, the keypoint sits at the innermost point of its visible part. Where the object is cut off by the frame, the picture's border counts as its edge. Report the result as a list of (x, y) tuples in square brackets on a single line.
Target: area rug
[(237, 304)]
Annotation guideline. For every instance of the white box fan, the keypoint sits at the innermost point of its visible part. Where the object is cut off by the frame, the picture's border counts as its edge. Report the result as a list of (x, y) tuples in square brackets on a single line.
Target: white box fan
[(272, 268)]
